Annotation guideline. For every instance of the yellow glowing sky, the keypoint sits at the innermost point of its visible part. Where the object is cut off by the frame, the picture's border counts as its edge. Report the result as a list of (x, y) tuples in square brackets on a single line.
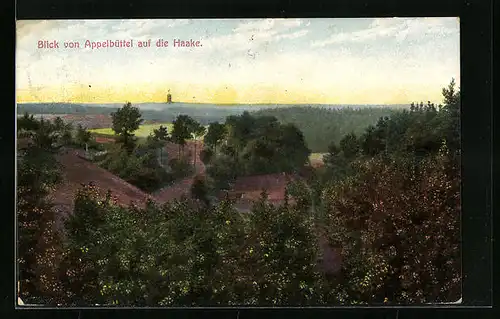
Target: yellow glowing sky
[(316, 61)]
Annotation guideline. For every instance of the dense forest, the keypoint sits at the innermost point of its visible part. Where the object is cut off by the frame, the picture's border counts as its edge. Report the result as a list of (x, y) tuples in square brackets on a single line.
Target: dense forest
[(378, 224), (321, 126)]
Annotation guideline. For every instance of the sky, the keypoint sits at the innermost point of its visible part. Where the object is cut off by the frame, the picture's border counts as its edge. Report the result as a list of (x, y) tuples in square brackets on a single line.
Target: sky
[(302, 61)]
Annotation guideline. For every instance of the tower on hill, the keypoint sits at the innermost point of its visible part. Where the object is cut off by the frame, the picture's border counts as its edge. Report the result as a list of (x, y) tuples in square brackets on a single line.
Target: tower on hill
[(169, 97)]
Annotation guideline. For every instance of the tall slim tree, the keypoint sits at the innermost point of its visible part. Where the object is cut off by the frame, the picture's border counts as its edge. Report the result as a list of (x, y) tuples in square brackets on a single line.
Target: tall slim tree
[(82, 135), (27, 124), (451, 107), (125, 122), (161, 135), (198, 131), (350, 145), (215, 135), (181, 130)]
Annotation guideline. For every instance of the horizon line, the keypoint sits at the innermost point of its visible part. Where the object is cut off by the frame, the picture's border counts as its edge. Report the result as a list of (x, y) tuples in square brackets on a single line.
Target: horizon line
[(221, 104)]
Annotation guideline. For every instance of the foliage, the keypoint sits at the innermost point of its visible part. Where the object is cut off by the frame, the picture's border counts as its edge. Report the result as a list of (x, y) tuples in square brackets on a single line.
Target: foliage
[(182, 130), (258, 145), (199, 190), (337, 166), (181, 168), (223, 171), (197, 131), (126, 120), (38, 239), (140, 168), (215, 135), (183, 254), (322, 125), (395, 208), (141, 165), (27, 123), (349, 146), (398, 225), (282, 252), (64, 130), (161, 133), (83, 136), (80, 265), (387, 202), (206, 155)]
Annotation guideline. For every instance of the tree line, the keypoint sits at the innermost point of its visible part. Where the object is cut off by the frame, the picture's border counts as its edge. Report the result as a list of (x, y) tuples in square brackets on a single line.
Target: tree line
[(201, 113), (321, 125)]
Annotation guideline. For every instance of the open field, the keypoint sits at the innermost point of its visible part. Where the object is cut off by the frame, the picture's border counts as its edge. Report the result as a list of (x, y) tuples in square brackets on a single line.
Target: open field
[(143, 131), (316, 159)]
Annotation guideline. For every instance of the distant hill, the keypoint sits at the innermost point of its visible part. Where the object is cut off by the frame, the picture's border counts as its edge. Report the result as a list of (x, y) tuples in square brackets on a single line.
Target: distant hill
[(160, 112), (164, 112)]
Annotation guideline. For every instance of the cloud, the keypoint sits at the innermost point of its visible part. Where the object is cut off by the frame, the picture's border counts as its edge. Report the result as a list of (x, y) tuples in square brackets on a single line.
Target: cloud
[(29, 27), (147, 28), (294, 35), (272, 25), (95, 29), (397, 28), (243, 53), (254, 35)]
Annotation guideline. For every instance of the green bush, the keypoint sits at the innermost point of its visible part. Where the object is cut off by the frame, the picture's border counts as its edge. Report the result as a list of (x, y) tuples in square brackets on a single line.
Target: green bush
[(180, 168)]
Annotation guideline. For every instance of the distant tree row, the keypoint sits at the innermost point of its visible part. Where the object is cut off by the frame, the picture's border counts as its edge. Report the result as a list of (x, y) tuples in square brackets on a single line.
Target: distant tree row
[(203, 114), (418, 132), (321, 126)]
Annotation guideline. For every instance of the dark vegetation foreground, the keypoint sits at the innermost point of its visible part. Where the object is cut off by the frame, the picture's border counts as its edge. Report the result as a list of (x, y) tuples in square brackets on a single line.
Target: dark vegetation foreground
[(378, 223)]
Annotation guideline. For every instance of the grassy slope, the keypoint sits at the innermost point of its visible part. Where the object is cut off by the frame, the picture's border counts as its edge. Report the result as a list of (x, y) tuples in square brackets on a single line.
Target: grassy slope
[(317, 156), (143, 131)]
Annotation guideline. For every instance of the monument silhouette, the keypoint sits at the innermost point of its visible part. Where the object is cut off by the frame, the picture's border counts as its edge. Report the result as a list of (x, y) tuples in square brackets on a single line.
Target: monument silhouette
[(169, 97)]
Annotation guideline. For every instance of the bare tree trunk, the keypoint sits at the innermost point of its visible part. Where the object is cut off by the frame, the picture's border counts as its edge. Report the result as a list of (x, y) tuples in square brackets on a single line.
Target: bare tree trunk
[(194, 165), (161, 156)]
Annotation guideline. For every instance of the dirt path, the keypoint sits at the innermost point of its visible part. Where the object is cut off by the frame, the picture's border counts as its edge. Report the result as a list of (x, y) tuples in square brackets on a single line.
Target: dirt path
[(183, 186)]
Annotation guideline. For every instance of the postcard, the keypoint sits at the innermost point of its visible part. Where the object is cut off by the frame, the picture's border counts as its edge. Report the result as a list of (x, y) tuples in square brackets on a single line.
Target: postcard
[(238, 162)]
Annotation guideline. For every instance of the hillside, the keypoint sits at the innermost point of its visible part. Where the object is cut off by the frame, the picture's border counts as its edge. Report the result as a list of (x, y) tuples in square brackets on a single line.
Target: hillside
[(77, 171)]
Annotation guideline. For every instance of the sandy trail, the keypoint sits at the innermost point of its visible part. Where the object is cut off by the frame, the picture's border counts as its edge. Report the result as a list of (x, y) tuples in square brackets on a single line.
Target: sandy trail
[(183, 186)]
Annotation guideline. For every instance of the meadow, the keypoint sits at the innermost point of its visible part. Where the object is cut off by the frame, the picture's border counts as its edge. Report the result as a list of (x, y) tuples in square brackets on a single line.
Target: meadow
[(317, 156), (143, 131)]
